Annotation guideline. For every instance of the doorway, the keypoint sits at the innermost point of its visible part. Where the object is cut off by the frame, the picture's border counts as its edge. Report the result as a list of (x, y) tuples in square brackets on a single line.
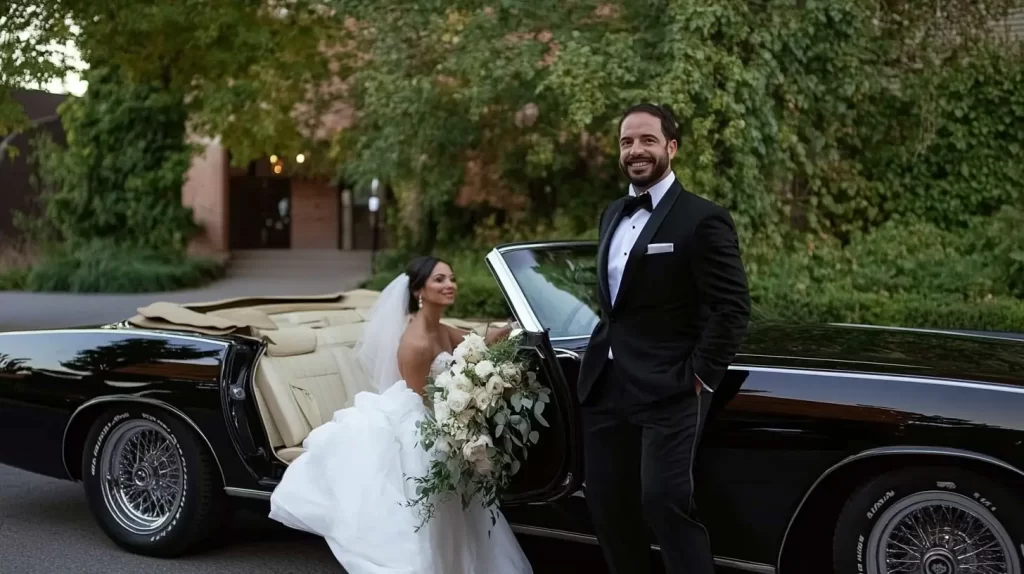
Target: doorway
[(260, 212)]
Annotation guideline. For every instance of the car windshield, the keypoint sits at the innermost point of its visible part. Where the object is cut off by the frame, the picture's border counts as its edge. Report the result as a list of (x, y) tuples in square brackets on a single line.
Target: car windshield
[(560, 285)]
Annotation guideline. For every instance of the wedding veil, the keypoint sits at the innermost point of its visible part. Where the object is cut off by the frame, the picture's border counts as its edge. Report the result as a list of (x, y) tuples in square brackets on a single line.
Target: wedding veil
[(378, 347)]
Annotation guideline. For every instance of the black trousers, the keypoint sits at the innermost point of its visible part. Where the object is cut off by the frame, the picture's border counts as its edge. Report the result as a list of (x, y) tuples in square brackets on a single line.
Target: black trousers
[(639, 465)]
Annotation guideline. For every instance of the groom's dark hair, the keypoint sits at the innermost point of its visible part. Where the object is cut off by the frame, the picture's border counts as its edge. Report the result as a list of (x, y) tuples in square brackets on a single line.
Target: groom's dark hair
[(419, 270), (664, 113)]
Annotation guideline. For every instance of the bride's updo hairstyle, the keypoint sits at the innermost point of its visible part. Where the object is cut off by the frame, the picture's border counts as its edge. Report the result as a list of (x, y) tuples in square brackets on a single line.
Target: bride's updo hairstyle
[(419, 271)]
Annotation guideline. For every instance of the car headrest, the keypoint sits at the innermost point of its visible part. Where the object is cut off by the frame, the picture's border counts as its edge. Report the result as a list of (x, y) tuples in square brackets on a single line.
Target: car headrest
[(290, 342)]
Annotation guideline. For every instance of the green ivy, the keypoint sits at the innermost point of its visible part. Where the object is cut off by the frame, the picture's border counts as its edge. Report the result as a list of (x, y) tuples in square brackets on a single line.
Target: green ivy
[(814, 116), (120, 177)]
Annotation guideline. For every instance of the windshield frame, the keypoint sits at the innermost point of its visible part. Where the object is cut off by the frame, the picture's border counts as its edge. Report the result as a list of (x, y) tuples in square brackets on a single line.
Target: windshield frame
[(513, 291)]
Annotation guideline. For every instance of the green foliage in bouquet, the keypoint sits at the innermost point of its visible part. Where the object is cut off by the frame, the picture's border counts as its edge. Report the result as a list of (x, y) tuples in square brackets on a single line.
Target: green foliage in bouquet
[(481, 425)]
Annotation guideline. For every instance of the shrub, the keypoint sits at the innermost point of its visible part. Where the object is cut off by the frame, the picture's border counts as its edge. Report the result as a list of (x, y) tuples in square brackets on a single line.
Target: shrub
[(908, 273), (102, 267)]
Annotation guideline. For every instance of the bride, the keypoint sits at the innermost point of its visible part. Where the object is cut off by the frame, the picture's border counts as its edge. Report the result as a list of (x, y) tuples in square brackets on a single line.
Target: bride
[(352, 483)]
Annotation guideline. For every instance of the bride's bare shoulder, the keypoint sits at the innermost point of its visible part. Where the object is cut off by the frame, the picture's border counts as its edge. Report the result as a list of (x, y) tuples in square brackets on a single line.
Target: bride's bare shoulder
[(415, 347)]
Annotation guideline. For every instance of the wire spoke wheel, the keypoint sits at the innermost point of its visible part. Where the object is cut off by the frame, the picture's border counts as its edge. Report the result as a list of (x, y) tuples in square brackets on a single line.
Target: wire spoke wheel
[(940, 533), (143, 478)]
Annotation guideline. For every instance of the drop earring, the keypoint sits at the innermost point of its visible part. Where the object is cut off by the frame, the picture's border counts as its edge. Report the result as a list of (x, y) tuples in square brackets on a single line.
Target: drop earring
[(421, 301)]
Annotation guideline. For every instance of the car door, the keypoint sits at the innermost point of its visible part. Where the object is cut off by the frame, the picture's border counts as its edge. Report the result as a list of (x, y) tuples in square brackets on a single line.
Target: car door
[(554, 467)]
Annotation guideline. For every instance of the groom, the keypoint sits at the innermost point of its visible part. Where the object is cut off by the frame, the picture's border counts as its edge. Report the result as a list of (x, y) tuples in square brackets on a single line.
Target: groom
[(674, 309)]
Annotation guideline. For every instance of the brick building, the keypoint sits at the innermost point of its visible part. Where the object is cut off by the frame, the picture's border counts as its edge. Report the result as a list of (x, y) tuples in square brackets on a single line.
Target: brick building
[(250, 208), (258, 207)]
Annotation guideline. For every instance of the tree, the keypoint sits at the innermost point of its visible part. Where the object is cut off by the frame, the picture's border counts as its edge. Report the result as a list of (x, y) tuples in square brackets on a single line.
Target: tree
[(33, 35), (119, 179), (252, 72), (478, 111)]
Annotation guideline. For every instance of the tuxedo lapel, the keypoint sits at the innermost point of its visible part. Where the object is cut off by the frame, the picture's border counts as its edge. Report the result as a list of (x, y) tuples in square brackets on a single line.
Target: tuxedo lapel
[(604, 294), (644, 239)]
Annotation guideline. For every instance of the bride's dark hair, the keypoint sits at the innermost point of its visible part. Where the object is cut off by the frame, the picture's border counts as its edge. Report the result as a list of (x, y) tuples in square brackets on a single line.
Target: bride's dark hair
[(419, 270)]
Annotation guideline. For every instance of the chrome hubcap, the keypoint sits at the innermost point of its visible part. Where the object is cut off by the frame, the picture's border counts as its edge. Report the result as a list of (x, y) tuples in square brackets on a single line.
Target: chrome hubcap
[(143, 476), (940, 533)]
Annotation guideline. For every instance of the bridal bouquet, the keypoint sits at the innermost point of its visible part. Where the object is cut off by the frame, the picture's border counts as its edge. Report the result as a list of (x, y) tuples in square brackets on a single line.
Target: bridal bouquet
[(481, 424)]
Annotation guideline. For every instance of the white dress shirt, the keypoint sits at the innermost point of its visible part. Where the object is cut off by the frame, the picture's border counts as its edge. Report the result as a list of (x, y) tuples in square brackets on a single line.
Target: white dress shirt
[(624, 238)]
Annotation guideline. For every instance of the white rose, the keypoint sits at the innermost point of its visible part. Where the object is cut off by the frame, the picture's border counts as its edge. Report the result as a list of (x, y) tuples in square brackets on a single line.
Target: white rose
[(444, 380), (458, 400), (484, 369), (442, 412), (476, 449), (475, 341), (495, 385), (462, 383), (482, 397), (471, 349), (467, 353)]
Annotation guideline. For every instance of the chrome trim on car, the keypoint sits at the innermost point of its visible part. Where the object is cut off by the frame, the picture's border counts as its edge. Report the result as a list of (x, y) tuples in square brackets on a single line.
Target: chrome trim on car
[(881, 377), (928, 331), (505, 248), (134, 399), (247, 493), (591, 539), (559, 352), (514, 293), (888, 451)]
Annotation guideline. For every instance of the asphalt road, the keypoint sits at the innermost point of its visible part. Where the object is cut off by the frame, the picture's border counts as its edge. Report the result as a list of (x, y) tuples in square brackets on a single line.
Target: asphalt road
[(46, 528)]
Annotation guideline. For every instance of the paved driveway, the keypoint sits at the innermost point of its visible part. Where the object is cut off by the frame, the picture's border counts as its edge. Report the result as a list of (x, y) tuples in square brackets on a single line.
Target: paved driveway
[(262, 272), (46, 528)]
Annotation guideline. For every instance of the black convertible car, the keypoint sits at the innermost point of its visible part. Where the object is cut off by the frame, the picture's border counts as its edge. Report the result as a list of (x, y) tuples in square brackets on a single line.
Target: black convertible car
[(828, 448)]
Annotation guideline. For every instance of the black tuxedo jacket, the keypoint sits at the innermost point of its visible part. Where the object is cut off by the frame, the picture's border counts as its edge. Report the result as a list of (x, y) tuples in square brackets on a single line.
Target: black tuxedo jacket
[(677, 314)]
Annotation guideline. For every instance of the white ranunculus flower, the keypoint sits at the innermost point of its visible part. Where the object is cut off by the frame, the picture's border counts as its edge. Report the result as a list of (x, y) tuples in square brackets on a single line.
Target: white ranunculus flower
[(442, 412), (482, 397), (484, 369), (458, 400), (475, 451), (495, 385)]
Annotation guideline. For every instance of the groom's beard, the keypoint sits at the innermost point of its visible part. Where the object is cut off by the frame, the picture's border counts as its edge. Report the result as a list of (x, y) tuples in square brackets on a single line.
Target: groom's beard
[(657, 171)]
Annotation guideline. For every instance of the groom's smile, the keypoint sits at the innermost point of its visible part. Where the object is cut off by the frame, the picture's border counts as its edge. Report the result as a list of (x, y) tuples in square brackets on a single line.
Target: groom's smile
[(644, 151)]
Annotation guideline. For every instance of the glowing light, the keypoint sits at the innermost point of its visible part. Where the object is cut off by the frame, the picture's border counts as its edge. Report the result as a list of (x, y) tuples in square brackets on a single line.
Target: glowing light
[(300, 158), (277, 168), (273, 159)]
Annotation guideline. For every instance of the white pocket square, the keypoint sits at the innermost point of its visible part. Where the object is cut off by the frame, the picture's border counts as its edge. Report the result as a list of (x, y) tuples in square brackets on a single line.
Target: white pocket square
[(654, 248)]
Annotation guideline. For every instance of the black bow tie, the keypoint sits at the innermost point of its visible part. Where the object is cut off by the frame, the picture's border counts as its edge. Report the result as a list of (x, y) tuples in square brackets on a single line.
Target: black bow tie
[(642, 201)]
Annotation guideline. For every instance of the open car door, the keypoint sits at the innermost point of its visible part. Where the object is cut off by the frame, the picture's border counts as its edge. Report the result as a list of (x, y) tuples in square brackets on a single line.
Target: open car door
[(551, 289)]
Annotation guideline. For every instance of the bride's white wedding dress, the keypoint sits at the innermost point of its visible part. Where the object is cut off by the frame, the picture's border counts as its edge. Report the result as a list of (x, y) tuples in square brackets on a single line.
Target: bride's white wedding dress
[(350, 487)]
